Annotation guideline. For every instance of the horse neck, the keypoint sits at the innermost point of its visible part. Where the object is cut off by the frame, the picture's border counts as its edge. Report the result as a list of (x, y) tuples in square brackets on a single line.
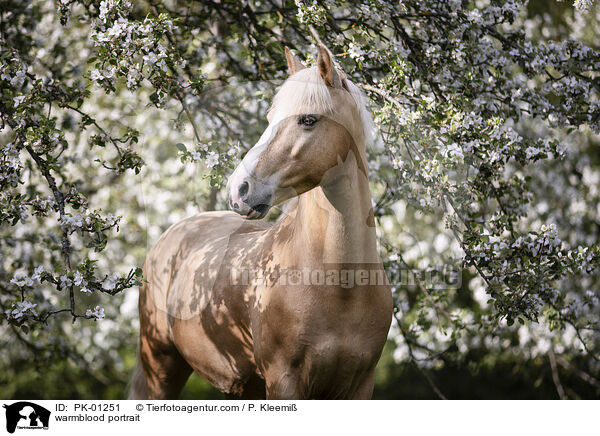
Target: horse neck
[(334, 221)]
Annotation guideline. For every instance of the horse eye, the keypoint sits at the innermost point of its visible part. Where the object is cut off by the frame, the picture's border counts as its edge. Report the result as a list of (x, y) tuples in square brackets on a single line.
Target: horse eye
[(307, 120)]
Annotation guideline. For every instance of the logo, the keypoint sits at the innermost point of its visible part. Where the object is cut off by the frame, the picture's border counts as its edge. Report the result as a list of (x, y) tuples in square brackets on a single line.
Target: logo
[(26, 415)]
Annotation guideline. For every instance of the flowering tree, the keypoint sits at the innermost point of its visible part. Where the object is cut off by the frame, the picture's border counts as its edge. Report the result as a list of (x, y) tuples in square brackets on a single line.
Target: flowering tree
[(484, 170)]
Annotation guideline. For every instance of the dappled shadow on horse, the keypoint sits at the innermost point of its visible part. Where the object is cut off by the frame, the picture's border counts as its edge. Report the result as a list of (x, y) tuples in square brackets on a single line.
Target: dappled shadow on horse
[(296, 309)]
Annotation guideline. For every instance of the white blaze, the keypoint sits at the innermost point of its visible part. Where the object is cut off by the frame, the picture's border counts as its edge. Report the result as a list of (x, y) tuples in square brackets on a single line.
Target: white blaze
[(245, 170)]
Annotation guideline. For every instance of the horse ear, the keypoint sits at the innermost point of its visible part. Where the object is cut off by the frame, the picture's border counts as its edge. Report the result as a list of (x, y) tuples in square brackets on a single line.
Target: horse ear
[(327, 69), (294, 63)]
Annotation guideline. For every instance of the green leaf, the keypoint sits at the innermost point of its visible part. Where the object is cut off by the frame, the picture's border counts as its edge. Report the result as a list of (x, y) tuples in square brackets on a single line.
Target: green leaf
[(181, 147)]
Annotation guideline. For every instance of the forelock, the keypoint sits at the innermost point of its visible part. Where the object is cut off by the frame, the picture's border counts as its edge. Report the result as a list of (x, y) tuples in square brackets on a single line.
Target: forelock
[(306, 93), (302, 93)]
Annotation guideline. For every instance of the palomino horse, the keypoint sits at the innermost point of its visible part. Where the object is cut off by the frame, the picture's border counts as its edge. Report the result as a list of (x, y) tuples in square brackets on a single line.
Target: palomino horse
[(293, 310)]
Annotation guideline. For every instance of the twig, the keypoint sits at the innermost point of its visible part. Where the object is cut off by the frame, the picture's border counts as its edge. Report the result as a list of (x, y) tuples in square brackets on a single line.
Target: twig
[(381, 93), (189, 115), (582, 374), (93, 121), (60, 201), (431, 383), (555, 378), (437, 391), (59, 198), (315, 35)]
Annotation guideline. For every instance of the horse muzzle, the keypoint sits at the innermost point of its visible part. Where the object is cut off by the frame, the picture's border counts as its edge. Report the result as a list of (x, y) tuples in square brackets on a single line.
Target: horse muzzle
[(249, 198)]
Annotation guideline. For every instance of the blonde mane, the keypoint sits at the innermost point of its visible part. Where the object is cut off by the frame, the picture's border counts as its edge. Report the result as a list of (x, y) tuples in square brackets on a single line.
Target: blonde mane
[(306, 93)]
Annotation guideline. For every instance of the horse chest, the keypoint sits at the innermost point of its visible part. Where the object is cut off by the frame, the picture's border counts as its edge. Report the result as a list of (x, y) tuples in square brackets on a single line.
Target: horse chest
[(320, 365), (325, 339)]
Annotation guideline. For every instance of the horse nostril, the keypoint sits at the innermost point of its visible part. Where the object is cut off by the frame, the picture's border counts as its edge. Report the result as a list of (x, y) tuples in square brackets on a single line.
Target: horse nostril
[(243, 189)]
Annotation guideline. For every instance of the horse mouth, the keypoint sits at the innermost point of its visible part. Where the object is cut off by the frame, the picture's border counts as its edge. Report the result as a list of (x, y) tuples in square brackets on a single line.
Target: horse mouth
[(257, 212)]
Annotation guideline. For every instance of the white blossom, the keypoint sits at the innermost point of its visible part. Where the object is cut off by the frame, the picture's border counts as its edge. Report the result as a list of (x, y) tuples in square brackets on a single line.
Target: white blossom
[(111, 282), (96, 75), (211, 160), (22, 308), (18, 100), (77, 278), (97, 313)]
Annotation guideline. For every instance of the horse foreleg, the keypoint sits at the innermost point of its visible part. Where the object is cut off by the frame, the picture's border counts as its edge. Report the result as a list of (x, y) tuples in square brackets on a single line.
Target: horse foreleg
[(254, 389), (364, 390), (163, 369), (283, 383), (166, 371)]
